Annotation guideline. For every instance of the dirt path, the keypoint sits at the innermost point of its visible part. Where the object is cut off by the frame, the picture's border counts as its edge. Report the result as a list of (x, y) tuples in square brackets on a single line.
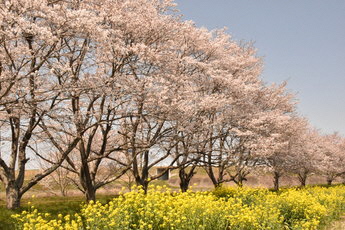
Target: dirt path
[(337, 225)]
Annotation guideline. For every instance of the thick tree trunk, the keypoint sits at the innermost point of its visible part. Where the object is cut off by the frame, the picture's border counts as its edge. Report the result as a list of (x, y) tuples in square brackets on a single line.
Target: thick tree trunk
[(329, 181), (184, 179), (184, 185), (89, 189), (143, 179), (276, 178), (13, 197), (145, 186), (143, 183), (90, 194), (87, 184), (85, 174), (304, 182)]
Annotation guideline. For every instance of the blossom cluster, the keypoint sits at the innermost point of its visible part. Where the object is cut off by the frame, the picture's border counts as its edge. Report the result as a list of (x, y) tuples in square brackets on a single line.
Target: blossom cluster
[(224, 208)]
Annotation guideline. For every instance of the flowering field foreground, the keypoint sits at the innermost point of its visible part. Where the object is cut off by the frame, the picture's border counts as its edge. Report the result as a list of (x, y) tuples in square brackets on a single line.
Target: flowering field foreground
[(224, 208)]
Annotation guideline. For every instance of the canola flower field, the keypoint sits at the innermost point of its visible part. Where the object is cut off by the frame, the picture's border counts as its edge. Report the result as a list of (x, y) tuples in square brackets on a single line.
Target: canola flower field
[(223, 208)]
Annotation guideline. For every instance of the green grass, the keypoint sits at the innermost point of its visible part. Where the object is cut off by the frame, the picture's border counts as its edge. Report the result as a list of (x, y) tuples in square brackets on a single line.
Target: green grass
[(52, 205)]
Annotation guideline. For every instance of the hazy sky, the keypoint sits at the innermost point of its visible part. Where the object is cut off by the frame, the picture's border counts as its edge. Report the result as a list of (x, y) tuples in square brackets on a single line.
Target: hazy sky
[(301, 41)]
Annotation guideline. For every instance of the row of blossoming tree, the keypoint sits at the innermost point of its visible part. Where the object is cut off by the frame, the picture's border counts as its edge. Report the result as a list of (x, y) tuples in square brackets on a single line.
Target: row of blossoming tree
[(85, 84)]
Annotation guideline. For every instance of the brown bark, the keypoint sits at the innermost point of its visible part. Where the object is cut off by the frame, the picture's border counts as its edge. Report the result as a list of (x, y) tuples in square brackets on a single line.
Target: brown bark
[(276, 178), (185, 178), (302, 177), (85, 176), (13, 196), (329, 181)]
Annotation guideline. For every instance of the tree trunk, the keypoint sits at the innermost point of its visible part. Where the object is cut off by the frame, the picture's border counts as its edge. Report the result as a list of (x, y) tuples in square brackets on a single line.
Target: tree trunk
[(89, 189), (303, 182), (184, 180), (329, 181), (143, 183), (240, 183), (217, 182), (85, 174), (90, 194), (184, 185), (241, 179), (13, 197), (64, 192), (87, 184), (144, 179), (276, 177), (145, 186), (140, 179), (303, 178)]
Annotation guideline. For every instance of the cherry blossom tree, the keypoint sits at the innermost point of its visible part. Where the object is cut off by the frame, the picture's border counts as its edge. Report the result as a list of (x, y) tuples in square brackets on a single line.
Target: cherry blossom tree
[(282, 159), (30, 36), (246, 138), (305, 153), (332, 157), (188, 149)]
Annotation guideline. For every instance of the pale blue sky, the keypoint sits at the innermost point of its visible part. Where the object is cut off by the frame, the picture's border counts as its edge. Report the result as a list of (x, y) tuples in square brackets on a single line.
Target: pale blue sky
[(302, 41)]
